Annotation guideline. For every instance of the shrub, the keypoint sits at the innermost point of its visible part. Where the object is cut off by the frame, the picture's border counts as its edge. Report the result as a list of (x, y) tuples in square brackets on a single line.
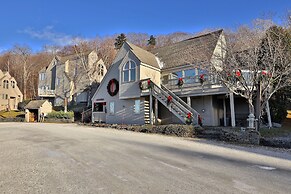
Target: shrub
[(61, 115)]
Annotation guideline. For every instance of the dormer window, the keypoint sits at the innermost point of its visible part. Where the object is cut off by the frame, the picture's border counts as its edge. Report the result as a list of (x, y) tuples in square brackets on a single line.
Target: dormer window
[(129, 72)]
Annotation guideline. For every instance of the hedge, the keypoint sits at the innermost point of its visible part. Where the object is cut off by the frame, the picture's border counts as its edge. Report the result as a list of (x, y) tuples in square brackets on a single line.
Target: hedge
[(61, 115)]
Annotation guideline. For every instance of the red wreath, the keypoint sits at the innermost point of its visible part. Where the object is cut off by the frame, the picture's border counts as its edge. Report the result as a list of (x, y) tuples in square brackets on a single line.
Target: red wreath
[(169, 99), (202, 78), (110, 87), (180, 82)]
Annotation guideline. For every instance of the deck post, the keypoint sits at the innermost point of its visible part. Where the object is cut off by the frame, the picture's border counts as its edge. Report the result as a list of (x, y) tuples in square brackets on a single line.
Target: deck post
[(156, 111), (189, 100), (231, 98), (224, 113), (151, 107)]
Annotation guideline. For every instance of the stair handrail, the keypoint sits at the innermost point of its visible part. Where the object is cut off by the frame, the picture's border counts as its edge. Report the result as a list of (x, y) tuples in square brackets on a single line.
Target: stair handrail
[(195, 114), (179, 100), (180, 103)]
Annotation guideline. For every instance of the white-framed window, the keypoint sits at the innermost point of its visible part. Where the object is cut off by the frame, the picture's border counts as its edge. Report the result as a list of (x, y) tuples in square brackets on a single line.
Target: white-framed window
[(137, 106), (13, 84), (111, 107), (6, 84), (99, 107), (41, 76), (58, 80), (100, 69), (129, 71)]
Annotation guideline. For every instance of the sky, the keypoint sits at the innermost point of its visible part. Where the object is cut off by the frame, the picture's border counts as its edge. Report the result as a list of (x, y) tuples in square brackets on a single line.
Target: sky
[(35, 23)]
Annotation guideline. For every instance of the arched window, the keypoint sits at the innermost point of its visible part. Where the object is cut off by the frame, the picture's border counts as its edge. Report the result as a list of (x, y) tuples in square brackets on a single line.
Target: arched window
[(129, 72)]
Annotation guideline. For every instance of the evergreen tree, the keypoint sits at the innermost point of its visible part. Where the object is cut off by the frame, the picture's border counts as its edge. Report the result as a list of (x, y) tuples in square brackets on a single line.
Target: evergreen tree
[(119, 41), (152, 41)]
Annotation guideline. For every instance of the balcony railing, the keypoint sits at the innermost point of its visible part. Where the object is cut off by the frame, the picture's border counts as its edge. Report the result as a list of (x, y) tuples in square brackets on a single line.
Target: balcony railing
[(45, 92), (193, 82)]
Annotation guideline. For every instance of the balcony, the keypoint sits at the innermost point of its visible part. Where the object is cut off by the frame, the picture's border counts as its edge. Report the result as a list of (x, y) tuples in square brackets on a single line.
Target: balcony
[(195, 86), (46, 93)]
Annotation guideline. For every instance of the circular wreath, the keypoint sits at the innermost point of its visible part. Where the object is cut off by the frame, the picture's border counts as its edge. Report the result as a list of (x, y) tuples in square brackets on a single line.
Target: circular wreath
[(110, 85)]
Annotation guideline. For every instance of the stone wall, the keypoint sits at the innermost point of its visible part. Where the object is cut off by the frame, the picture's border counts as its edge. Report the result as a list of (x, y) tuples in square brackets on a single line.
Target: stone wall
[(231, 135)]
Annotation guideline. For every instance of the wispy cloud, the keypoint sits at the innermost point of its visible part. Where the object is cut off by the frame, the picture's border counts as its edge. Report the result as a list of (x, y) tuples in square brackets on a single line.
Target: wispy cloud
[(49, 34)]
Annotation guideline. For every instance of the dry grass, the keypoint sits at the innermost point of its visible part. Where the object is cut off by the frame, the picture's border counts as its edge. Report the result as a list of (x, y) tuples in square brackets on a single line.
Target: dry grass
[(276, 132), (11, 114)]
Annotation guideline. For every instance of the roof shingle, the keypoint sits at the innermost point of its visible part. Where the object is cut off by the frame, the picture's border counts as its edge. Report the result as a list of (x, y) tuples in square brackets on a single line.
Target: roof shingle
[(144, 56), (189, 51), (35, 104)]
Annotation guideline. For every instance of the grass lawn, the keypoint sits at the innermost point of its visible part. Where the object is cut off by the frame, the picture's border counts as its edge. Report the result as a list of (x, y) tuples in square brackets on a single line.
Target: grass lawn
[(11, 114), (284, 130)]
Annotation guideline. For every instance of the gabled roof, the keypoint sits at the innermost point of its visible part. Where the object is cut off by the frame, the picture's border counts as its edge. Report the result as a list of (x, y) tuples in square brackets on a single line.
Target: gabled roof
[(63, 59), (190, 51), (35, 104), (144, 56)]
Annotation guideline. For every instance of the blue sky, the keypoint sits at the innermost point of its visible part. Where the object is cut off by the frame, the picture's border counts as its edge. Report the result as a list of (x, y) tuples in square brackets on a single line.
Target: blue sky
[(38, 22)]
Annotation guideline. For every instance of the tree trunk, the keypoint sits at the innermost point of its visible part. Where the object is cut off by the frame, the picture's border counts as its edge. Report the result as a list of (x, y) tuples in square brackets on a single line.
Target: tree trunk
[(65, 104), (251, 107)]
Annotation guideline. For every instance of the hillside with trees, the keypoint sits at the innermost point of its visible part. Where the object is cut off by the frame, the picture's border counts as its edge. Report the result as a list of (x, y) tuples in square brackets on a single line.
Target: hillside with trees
[(24, 65)]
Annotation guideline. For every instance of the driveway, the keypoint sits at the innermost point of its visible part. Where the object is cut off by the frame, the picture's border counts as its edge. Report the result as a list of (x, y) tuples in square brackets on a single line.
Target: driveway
[(67, 158)]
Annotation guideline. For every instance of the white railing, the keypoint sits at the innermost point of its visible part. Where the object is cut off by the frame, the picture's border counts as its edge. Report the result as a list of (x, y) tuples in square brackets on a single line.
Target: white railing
[(176, 105), (44, 92), (192, 82)]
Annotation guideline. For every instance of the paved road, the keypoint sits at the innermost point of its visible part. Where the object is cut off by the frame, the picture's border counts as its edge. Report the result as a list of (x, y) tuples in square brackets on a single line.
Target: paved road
[(66, 158)]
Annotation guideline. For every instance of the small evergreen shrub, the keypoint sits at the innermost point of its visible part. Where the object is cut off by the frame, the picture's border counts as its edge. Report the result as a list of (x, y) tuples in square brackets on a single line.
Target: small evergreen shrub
[(61, 115)]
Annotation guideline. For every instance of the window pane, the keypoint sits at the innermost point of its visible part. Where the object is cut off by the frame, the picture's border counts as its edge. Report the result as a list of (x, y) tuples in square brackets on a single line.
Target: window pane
[(111, 107), (98, 107), (132, 75), (137, 106), (132, 65), (126, 76), (189, 76), (177, 74), (202, 71), (189, 72), (126, 66)]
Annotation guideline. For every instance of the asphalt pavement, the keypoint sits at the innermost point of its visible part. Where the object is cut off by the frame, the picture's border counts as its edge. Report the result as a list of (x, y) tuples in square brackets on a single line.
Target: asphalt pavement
[(68, 158)]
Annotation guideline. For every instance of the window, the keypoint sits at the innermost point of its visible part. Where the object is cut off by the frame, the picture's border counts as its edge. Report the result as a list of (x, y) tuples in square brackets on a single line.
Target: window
[(111, 107), (189, 75), (129, 72), (76, 70), (137, 106), (58, 81), (41, 76), (13, 84), (176, 75), (6, 84), (98, 107), (100, 69)]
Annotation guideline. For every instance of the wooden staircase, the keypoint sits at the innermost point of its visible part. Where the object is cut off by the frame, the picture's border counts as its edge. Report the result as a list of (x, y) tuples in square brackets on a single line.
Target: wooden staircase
[(177, 106)]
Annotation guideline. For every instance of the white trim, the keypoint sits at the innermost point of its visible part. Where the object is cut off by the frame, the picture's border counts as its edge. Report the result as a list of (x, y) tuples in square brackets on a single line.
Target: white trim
[(149, 66), (107, 73)]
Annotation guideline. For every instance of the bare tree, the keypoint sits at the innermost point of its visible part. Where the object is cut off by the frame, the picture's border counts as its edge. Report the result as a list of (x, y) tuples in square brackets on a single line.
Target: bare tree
[(22, 60), (256, 69)]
